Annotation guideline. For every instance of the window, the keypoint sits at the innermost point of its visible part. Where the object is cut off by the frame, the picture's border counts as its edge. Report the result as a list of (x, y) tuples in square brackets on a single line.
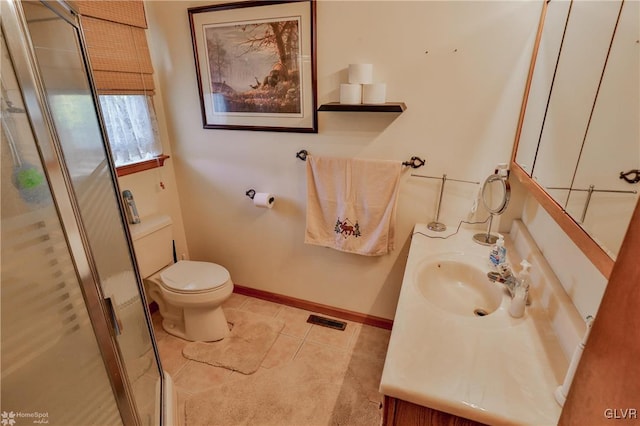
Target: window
[(115, 36), (131, 128)]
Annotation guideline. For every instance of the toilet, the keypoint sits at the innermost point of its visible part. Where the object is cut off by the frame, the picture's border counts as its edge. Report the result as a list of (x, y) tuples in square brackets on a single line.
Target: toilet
[(189, 294)]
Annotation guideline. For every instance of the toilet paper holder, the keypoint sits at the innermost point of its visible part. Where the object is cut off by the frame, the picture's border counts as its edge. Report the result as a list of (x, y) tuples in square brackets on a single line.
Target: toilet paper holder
[(252, 193)]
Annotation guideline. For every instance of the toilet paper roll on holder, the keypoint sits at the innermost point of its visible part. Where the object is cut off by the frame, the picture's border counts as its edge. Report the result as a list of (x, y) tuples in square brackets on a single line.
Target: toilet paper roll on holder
[(252, 193)]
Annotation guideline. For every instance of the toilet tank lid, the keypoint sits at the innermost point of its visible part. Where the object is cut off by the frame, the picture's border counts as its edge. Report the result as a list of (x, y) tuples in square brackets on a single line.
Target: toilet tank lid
[(187, 275), (149, 224)]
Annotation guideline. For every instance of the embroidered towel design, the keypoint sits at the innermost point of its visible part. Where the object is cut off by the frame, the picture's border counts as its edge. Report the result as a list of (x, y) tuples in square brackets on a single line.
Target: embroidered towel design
[(351, 204), (347, 229)]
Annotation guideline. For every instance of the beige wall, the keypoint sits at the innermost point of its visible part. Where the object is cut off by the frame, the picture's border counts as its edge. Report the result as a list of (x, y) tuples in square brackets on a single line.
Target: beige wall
[(463, 99)]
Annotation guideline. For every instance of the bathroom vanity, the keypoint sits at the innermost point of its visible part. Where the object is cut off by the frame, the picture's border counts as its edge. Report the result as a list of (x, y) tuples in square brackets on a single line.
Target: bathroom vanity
[(402, 413), (455, 353)]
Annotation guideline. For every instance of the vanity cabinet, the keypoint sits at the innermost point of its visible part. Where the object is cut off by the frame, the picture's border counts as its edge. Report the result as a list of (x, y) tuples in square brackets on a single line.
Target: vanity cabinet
[(398, 412)]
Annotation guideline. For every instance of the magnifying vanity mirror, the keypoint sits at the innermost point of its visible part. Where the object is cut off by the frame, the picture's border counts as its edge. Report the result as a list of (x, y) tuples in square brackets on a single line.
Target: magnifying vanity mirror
[(495, 195), (579, 130)]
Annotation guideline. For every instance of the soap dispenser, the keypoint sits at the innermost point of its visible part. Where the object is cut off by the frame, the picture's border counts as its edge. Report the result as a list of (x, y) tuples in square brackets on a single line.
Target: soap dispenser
[(521, 292), (525, 275), (498, 253)]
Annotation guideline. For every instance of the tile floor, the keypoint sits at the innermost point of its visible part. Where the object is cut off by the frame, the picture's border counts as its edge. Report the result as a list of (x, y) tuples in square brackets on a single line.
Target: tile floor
[(298, 339)]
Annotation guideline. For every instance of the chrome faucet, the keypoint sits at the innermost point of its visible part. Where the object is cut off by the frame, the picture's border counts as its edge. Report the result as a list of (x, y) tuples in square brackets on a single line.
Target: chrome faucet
[(504, 276)]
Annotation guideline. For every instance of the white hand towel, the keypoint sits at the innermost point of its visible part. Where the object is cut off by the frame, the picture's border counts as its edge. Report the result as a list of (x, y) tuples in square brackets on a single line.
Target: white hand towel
[(351, 204)]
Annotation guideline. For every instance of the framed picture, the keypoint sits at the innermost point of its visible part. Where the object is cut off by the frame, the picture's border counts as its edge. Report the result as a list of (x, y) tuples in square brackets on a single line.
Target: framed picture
[(255, 65)]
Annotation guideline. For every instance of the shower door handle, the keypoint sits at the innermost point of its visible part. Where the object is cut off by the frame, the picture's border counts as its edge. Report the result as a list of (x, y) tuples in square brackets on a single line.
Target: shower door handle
[(113, 315)]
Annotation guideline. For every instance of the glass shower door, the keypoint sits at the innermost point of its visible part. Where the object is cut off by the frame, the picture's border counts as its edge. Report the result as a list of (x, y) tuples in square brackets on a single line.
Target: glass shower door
[(69, 116), (52, 367), (62, 67)]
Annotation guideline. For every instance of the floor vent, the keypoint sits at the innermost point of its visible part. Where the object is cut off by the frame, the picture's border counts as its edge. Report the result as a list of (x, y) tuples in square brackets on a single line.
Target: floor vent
[(327, 322)]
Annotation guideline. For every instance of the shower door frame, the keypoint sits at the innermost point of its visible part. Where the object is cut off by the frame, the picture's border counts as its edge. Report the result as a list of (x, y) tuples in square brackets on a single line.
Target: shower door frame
[(50, 150)]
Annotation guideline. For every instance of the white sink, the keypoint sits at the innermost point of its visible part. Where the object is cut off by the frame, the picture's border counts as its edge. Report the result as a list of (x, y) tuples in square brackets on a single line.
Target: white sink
[(495, 369), (457, 284)]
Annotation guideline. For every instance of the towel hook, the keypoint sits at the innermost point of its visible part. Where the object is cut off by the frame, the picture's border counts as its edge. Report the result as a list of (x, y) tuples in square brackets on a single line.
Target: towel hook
[(302, 154), (415, 162), (628, 176)]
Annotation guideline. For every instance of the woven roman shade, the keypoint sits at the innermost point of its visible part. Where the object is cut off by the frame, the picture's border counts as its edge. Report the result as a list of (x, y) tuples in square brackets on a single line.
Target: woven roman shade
[(123, 12), (118, 51)]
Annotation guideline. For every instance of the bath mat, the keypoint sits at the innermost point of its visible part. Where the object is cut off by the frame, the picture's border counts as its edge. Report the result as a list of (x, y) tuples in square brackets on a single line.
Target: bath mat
[(243, 350), (298, 393)]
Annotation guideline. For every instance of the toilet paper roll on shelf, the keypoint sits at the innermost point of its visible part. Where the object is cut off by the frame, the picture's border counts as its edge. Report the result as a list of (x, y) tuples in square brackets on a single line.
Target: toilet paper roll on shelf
[(351, 94), (360, 73), (374, 93)]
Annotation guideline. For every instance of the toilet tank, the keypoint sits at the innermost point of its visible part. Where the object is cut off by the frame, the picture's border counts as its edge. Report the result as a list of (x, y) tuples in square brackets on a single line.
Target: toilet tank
[(153, 243)]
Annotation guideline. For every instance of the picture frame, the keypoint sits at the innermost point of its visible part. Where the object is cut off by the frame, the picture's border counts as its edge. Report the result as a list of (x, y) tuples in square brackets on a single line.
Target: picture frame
[(256, 65)]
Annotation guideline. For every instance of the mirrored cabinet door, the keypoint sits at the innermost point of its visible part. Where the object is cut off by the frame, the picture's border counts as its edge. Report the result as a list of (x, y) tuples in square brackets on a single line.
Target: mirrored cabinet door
[(546, 61), (580, 128), (589, 30), (612, 143)]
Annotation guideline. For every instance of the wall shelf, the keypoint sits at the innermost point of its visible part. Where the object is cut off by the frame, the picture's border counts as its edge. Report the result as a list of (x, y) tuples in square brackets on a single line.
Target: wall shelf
[(386, 107)]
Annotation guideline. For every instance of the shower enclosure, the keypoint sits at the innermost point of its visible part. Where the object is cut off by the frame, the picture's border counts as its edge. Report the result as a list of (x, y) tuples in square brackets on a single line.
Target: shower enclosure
[(76, 346)]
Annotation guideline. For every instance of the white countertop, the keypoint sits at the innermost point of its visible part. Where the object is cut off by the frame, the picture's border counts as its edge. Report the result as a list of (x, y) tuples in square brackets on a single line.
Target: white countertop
[(494, 369)]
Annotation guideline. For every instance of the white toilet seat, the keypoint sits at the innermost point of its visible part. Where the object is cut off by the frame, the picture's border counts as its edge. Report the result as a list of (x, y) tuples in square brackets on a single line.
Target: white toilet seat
[(192, 277)]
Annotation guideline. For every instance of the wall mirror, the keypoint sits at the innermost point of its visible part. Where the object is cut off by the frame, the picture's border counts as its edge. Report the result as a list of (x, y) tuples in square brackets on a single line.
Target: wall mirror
[(579, 130)]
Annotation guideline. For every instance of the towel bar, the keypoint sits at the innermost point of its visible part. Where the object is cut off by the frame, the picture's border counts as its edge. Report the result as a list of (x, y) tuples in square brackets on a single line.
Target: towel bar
[(414, 162), (590, 192)]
